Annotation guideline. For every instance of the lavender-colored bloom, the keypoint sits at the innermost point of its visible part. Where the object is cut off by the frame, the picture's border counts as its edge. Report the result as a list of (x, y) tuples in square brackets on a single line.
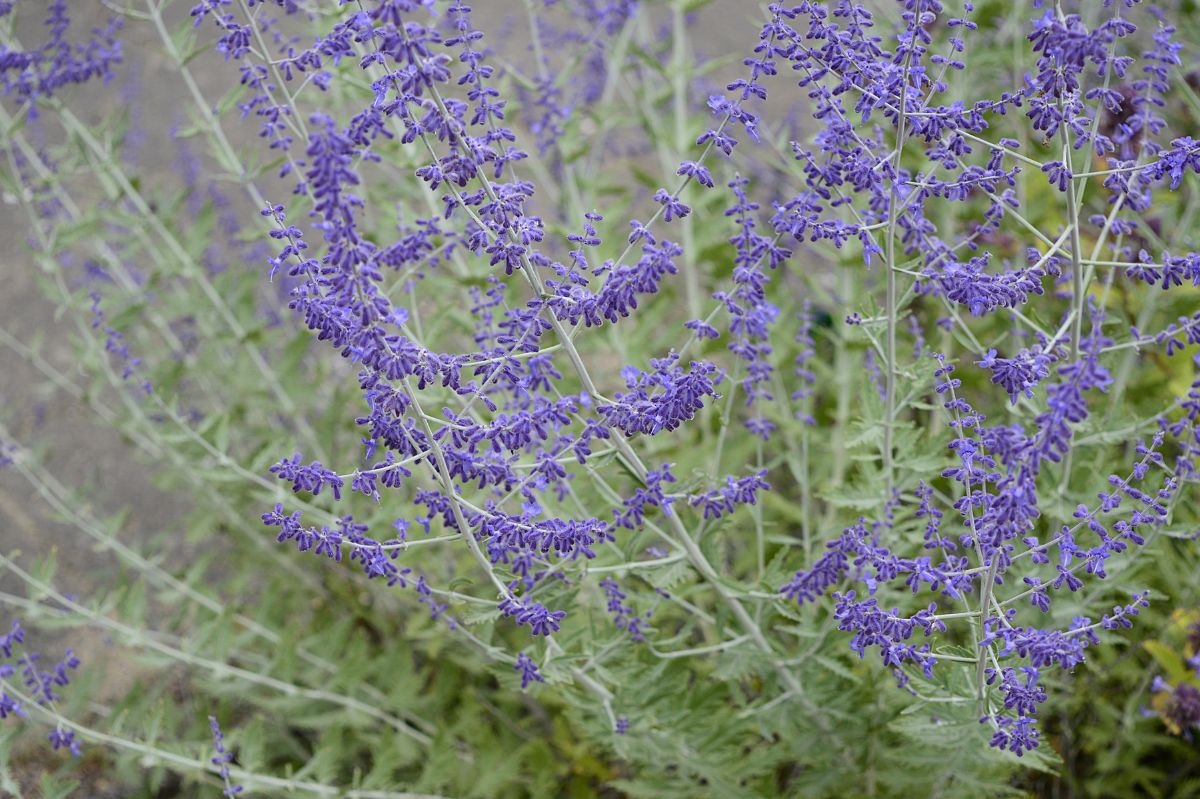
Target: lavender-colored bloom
[(624, 616), (1019, 374), (737, 491), (994, 523), (65, 739), (13, 638), (804, 374), (533, 615), (663, 399), (511, 434), (222, 759), (829, 570), (751, 315), (1182, 712), (312, 477), (42, 684), (528, 671), (115, 345), (10, 706), (1019, 735), (59, 62)]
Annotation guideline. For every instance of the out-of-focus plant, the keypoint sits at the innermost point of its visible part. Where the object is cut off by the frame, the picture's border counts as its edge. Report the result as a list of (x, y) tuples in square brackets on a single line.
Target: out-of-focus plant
[(1178, 688)]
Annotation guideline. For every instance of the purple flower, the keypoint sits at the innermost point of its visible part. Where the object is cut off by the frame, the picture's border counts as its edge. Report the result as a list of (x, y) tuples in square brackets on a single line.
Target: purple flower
[(59, 61), (624, 616), (222, 759), (737, 491), (663, 399), (697, 172), (1019, 735), (66, 739), (1019, 374), (672, 207), (1182, 711), (533, 615), (42, 684), (528, 671)]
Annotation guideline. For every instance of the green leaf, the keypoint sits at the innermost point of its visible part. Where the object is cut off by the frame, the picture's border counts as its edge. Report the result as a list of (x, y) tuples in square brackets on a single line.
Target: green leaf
[(1171, 661), (52, 787)]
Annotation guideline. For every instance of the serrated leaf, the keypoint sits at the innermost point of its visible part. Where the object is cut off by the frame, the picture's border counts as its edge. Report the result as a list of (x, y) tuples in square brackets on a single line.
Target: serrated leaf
[(669, 576)]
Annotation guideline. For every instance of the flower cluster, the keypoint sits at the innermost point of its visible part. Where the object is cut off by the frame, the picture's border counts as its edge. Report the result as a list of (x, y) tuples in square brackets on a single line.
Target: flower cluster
[(1176, 691), (533, 428), (40, 72), (998, 511), (222, 759), (40, 685), (500, 439)]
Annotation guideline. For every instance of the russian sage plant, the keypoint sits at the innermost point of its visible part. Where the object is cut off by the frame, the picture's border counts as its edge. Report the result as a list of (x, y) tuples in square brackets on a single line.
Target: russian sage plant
[(563, 400)]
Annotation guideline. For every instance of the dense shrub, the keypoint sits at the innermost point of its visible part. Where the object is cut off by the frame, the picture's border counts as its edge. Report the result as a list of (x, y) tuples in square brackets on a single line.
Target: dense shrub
[(551, 406)]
